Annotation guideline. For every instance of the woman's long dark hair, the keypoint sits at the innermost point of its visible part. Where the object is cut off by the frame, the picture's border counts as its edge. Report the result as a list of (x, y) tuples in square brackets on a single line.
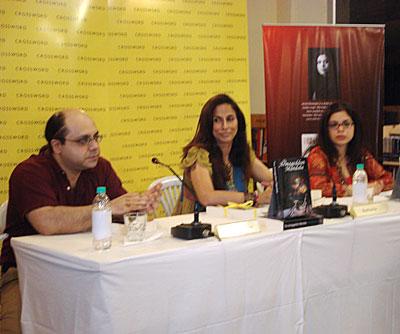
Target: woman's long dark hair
[(204, 138), (355, 148), (324, 87)]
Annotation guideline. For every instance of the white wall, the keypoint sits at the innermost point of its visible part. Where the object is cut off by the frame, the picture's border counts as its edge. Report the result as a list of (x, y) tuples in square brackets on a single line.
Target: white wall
[(258, 12), (261, 12), (310, 11)]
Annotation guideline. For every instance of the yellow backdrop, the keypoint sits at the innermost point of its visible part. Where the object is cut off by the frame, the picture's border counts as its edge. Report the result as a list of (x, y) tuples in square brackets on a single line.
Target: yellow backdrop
[(142, 69)]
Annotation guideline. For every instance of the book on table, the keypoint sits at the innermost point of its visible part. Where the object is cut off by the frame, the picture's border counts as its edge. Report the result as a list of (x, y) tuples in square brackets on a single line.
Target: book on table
[(291, 199)]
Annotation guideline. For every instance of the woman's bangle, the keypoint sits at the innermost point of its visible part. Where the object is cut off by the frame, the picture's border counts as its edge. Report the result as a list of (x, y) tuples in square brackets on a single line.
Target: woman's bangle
[(247, 196), (251, 197)]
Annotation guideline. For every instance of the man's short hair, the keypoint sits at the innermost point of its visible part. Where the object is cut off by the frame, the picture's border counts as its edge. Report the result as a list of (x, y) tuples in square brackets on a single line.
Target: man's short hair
[(55, 128)]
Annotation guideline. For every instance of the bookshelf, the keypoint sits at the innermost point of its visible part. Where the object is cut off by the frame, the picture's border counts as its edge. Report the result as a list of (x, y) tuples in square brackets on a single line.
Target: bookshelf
[(391, 138), (259, 136)]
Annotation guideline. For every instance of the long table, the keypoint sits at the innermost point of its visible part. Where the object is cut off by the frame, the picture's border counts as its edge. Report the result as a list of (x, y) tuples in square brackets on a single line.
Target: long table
[(340, 277)]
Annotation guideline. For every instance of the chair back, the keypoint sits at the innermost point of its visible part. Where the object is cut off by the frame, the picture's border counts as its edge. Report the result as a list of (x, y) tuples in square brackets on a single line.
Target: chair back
[(170, 192), (3, 215)]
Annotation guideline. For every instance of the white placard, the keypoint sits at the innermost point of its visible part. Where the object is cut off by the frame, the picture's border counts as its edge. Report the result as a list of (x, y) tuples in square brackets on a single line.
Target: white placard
[(237, 229)]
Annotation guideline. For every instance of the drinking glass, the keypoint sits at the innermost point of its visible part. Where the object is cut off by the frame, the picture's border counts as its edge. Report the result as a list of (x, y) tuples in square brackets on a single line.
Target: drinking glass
[(135, 223)]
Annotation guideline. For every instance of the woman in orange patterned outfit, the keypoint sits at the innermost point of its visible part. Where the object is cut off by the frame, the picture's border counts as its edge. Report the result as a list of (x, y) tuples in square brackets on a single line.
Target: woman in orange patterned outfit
[(339, 149)]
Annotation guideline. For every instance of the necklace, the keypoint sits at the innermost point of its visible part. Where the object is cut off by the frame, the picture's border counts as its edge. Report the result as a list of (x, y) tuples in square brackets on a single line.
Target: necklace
[(230, 184), (339, 163)]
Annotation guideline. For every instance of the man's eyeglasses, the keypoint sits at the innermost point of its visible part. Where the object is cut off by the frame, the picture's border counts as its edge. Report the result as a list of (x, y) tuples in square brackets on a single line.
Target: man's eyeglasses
[(337, 125), (86, 140)]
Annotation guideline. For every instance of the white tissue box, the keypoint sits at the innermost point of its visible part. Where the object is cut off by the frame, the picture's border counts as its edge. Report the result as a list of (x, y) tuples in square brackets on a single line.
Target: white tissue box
[(233, 213)]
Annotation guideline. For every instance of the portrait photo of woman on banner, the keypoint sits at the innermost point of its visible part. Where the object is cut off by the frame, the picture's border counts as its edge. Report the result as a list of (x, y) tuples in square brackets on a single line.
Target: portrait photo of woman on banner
[(323, 74)]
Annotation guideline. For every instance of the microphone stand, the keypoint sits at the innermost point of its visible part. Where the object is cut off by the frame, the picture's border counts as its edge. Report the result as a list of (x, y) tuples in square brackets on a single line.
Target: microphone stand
[(195, 229), (333, 210), (334, 195)]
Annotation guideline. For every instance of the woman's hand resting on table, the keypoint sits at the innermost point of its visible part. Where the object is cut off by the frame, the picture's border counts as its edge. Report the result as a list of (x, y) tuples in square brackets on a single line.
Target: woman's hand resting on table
[(264, 197), (377, 187)]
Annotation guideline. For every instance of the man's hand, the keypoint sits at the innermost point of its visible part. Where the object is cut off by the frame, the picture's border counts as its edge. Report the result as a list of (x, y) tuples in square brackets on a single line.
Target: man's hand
[(153, 196), (128, 202), (146, 201)]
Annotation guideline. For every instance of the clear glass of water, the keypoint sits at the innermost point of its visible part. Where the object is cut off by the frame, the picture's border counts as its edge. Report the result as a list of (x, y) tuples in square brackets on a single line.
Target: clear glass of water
[(135, 224)]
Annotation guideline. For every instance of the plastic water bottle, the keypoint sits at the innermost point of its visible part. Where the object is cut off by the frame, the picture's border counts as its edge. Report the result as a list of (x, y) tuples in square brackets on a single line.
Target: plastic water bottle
[(360, 185), (101, 220)]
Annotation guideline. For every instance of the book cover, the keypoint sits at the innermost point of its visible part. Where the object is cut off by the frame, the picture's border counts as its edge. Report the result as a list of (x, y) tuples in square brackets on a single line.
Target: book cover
[(292, 188)]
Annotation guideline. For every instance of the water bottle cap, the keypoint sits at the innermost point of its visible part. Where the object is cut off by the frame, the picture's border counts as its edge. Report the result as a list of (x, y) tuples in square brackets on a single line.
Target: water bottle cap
[(360, 166), (101, 190)]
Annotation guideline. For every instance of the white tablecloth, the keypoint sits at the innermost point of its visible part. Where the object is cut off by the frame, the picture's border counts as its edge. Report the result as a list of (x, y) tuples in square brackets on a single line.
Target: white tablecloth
[(332, 278)]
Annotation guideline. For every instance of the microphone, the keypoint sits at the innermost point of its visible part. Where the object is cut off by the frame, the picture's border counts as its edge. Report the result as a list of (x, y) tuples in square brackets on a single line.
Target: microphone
[(155, 161), (196, 229)]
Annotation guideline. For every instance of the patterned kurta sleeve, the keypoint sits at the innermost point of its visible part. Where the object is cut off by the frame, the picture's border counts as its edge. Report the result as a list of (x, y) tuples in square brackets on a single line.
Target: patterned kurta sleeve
[(322, 175), (195, 155), (199, 155), (376, 172)]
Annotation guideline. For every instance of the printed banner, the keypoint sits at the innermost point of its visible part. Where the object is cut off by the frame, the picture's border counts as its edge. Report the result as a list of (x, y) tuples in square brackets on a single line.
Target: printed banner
[(141, 68), (309, 67)]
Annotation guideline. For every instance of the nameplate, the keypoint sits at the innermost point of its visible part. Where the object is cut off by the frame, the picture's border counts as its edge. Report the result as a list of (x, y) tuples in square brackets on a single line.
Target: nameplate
[(370, 209), (232, 212), (236, 229), (297, 222)]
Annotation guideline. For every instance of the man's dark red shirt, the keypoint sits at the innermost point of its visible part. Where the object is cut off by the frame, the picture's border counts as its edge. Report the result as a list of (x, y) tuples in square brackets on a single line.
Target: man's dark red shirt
[(39, 181)]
